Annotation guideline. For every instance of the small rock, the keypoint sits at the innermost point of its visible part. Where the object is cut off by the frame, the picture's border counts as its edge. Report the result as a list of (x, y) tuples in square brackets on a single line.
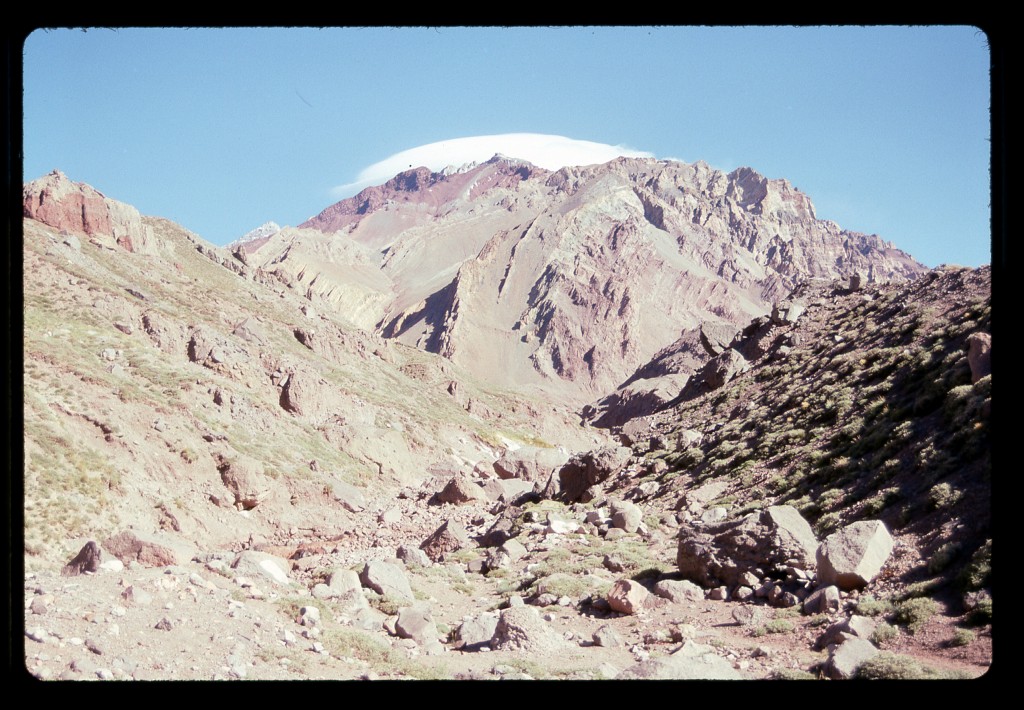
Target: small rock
[(165, 624), (309, 616), (41, 603)]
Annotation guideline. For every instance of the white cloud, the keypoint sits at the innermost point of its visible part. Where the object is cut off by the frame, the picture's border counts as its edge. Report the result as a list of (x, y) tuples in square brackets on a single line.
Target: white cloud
[(545, 151)]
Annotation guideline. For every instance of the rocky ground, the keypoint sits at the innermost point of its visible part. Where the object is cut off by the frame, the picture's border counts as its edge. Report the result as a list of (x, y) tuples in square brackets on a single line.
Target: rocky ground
[(205, 619)]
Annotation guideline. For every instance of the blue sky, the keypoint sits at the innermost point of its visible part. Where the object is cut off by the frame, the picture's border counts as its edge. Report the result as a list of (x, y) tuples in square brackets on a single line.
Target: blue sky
[(885, 128)]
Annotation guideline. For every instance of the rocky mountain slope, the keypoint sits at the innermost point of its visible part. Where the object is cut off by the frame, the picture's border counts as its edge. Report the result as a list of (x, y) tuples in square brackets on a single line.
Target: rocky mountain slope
[(566, 280), (271, 492)]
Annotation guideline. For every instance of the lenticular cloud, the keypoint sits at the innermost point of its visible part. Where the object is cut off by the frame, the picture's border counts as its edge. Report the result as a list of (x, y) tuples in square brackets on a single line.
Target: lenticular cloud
[(545, 151)]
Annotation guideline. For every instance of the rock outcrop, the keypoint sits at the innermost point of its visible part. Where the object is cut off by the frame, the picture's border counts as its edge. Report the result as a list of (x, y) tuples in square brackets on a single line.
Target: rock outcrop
[(777, 541), (76, 207)]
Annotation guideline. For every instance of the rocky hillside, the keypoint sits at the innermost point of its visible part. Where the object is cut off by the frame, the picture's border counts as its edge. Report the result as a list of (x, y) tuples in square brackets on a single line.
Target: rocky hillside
[(566, 280), (209, 445)]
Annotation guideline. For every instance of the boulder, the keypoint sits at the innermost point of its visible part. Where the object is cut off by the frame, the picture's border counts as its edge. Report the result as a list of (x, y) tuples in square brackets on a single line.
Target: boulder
[(639, 398), (350, 497), (722, 369), (850, 558), (530, 463), (697, 498), (607, 637), (505, 527), (344, 585), (628, 597), (679, 591), (128, 546), (86, 561), (252, 563), (717, 337), (388, 580), (460, 490), (979, 355), (451, 536), (521, 628), (626, 516), (508, 490), (846, 657), (590, 468), (416, 623), (823, 601), (474, 633), (774, 539), (859, 626), (786, 312), (243, 479), (412, 556)]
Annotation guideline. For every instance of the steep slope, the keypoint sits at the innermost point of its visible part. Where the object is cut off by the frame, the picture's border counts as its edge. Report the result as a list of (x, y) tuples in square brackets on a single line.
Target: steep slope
[(570, 280)]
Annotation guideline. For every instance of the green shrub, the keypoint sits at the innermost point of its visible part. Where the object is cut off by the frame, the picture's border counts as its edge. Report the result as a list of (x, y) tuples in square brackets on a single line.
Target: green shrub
[(943, 556), (884, 633), (962, 637), (976, 574), (890, 666), (869, 606), (943, 496), (914, 613)]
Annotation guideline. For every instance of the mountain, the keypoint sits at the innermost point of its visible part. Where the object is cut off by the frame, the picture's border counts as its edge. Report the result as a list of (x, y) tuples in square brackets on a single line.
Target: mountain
[(262, 232), (567, 281), (354, 454)]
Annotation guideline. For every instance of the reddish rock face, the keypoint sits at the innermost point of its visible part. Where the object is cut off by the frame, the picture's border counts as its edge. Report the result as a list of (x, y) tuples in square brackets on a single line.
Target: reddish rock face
[(79, 208)]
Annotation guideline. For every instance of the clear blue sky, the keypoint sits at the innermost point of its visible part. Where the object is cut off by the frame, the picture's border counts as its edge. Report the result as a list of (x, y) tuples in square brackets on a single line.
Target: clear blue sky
[(886, 128)]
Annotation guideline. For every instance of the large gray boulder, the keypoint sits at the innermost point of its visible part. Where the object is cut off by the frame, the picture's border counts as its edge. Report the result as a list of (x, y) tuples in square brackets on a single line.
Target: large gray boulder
[(461, 489), (774, 539), (521, 628), (846, 657), (626, 516), (387, 580), (416, 623), (530, 463), (979, 355), (251, 563), (448, 538), (350, 497), (592, 467), (850, 558), (723, 368), (679, 591), (476, 632)]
